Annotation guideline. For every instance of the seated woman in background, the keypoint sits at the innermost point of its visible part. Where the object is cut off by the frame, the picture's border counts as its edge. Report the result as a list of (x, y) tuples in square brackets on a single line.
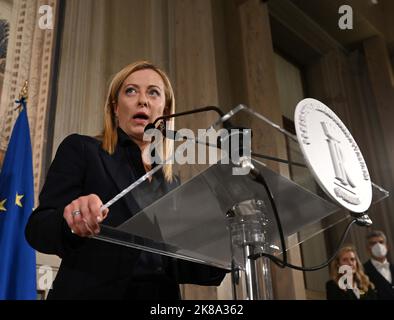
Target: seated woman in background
[(345, 286)]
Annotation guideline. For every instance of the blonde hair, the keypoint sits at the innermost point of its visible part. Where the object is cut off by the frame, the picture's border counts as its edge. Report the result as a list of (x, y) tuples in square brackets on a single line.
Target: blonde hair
[(110, 134), (359, 276)]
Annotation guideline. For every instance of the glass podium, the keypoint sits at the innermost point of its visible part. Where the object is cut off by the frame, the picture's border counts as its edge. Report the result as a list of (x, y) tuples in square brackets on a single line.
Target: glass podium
[(218, 214)]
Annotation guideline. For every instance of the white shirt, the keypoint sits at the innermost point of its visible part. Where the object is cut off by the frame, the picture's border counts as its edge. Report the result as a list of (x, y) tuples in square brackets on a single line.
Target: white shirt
[(383, 268)]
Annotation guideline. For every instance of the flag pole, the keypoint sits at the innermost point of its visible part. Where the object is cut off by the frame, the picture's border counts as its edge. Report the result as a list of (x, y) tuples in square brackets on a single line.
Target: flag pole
[(23, 95), (24, 92)]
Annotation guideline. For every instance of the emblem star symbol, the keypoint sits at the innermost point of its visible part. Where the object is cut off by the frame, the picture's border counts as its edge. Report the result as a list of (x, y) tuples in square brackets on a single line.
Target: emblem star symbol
[(18, 199), (2, 203)]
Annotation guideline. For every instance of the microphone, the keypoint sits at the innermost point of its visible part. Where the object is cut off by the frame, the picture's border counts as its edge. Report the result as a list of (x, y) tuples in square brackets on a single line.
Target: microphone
[(162, 126), (221, 142), (149, 126)]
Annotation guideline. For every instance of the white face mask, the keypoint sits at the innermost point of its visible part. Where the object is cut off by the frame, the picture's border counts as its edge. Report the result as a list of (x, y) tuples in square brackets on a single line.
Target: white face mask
[(379, 250)]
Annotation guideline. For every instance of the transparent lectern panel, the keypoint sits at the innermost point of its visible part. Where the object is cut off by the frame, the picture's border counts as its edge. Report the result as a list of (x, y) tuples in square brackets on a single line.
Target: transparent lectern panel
[(190, 218), (290, 164), (190, 221)]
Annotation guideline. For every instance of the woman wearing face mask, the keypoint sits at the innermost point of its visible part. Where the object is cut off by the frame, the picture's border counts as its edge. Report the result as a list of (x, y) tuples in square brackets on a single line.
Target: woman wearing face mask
[(87, 172), (379, 270), (348, 280)]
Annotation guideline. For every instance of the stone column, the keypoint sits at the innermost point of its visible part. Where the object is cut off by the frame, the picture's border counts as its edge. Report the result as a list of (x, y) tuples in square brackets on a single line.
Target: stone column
[(29, 58), (193, 71), (262, 95)]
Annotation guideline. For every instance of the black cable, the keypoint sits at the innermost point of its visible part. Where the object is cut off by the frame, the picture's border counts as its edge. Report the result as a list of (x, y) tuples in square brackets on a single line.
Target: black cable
[(259, 178), (283, 263), (162, 126), (198, 110), (263, 156), (315, 268)]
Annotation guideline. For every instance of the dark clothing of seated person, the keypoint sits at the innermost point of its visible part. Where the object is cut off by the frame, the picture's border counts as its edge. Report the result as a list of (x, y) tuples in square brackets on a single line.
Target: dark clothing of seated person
[(378, 268), (350, 283), (88, 172), (334, 292)]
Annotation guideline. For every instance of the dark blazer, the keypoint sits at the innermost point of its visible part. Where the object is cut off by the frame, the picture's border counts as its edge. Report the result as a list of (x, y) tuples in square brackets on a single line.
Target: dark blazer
[(385, 289), (335, 293), (92, 269)]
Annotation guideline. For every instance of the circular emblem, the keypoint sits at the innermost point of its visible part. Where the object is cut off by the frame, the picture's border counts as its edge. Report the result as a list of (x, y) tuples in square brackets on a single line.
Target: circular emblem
[(332, 155)]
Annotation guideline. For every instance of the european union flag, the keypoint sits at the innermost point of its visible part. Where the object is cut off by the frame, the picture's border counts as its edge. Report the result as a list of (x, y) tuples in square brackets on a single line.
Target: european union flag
[(17, 258)]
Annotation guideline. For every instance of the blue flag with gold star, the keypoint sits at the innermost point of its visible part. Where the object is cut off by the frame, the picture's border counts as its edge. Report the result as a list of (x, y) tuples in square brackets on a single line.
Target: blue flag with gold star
[(17, 258)]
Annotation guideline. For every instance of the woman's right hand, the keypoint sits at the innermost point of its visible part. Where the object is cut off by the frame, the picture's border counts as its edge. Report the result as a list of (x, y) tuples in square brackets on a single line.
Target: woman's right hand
[(83, 215)]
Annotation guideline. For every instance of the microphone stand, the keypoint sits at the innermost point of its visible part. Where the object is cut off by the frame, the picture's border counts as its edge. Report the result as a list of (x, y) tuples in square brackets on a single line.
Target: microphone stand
[(198, 110), (236, 218)]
